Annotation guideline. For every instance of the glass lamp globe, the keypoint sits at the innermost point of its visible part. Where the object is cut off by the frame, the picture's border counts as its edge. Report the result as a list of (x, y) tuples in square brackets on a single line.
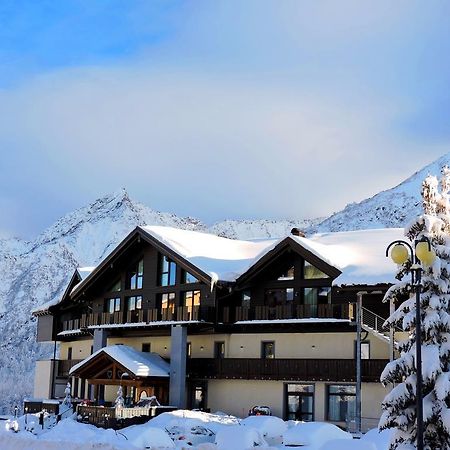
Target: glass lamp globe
[(425, 254), (399, 254)]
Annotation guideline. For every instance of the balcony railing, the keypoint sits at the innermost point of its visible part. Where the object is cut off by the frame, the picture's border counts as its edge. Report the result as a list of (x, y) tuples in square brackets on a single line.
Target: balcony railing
[(179, 314), (285, 369), (283, 312)]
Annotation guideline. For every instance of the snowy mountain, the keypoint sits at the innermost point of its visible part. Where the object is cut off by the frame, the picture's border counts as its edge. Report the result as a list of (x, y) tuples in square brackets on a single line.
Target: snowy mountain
[(260, 228), (388, 209)]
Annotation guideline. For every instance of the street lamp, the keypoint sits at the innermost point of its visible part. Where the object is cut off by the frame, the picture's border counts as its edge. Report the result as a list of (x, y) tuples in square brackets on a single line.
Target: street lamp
[(402, 251)]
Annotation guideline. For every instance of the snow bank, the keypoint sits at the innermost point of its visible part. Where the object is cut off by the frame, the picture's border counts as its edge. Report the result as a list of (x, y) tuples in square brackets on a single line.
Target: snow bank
[(272, 428), (148, 437), (380, 439), (313, 434), (345, 444), (239, 438)]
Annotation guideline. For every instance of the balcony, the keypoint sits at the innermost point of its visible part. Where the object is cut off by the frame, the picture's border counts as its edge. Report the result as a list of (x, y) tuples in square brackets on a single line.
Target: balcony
[(338, 370), (141, 316), (343, 311)]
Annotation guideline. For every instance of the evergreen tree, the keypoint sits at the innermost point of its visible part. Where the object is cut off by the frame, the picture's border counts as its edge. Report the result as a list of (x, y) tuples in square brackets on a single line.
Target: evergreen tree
[(400, 404)]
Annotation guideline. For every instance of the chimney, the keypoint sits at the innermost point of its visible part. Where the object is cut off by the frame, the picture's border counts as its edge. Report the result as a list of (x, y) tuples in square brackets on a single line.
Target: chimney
[(297, 232)]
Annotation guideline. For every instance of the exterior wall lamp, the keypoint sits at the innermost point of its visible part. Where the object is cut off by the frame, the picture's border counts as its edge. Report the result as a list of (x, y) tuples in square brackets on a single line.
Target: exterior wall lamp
[(401, 252)]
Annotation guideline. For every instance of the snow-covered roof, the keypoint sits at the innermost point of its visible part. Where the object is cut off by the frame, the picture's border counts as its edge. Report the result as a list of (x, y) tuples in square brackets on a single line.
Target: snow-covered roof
[(83, 272), (140, 364), (359, 255), (221, 258)]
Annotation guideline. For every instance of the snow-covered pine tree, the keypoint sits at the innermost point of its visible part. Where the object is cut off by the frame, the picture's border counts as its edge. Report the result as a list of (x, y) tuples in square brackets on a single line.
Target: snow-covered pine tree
[(400, 404)]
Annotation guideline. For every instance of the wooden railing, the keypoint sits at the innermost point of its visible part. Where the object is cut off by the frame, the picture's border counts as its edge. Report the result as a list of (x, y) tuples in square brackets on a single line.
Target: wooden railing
[(283, 312), (182, 313), (226, 315), (285, 369)]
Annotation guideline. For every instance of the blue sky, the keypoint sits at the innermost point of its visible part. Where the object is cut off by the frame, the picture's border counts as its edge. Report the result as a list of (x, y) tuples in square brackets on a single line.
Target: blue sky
[(224, 109)]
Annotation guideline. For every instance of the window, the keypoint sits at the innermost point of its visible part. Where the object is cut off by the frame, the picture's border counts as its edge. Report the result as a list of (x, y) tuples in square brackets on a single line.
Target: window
[(115, 287), (135, 276), (287, 275), (134, 302), (188, 350), (268, 350), (167, 271), (246, 298), (324, 295), (112, 305), (69, 353), (146, 347), (299, 402), (341, 402), (188, 277), (199, 397), (312, 272), (276, 297), (219, 350), (191, 299), (168, 301), (365, 349)]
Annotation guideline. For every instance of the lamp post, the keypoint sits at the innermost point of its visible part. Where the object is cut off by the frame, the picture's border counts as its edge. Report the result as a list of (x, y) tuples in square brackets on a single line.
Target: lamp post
[(422, 252)]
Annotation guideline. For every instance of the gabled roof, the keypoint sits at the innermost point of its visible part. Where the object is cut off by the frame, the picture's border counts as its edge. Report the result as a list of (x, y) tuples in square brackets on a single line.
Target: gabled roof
[(79, 275), (137, 364), (351, 257)]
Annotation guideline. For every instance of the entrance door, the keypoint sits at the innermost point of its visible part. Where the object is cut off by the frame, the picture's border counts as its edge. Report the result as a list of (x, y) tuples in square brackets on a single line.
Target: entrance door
[(299, 402)]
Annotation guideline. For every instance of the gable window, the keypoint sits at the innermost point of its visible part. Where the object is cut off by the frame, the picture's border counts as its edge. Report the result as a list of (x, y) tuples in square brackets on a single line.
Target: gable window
[(134, 302), (188, 278), (276, 297), (311, 272), (268, 350), (191, 299), (246, 298), (112, 305), (287, 275), (168, 301), (116, 287), (135, 276), (167, 271), (324, 295)]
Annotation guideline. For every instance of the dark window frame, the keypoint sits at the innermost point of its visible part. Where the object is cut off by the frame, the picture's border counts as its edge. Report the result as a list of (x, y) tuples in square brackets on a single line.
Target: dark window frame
[(346, 394), (113, 304), (288, 392), (264, 353), (135, 276), (167, 271), (136, 300), (219, 353)]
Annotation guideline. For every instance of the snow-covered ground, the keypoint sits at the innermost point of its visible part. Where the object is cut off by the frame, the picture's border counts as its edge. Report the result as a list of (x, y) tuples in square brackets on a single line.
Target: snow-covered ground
[(188, 430)]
